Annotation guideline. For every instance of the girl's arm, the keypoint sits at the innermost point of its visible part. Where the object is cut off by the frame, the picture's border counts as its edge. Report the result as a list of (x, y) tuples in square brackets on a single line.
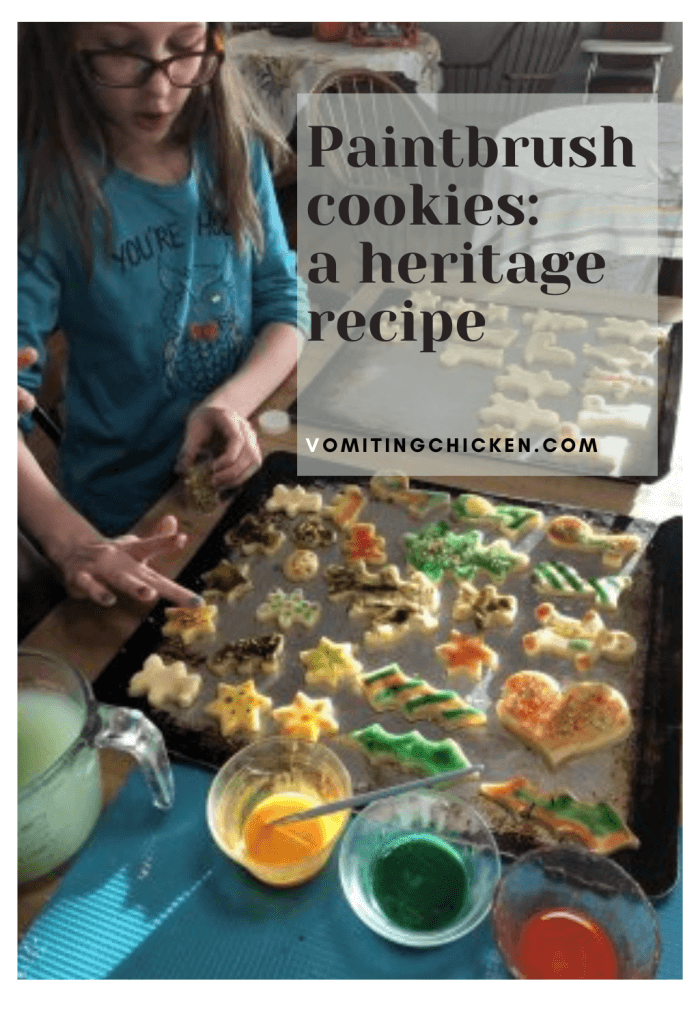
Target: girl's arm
[(92, 565)]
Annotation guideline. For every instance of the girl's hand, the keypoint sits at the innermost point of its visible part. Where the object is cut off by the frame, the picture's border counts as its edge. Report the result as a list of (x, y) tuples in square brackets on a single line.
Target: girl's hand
[(241, 455), (25, 400), (94, 568)]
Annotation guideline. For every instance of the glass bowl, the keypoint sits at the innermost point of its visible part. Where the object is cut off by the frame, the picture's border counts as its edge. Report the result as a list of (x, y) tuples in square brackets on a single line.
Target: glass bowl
[(572, 879), (279, 765), (419, 868)]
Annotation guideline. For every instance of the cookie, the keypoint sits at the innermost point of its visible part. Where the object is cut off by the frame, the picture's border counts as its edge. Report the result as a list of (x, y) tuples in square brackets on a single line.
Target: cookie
[(542, 347), (455, 308), (535, 384), (227, 582), (574, 534), (496, 314), (393, 619), (190, 623), (313, 532), (557, 725), (249, 654), (597, 826), (498, 337), (610, 451), (597, 414), (486, 607), (329, 664), (512, 520), (200, 493), (301, 565), (173, 649), (396, 490), (307, 719), (583, 640), (293, 500), (562, 580), (424, 300), (635, 332), (255, 534), (364, 543), (465, 655), (621, 385), (354, 583), (522, 415), (389, 689), (286, 609), (165, 683), (410, 751), (453, 355), (619, 357), (545, 320), (435, 549), (345, 506), (238, 708), (498, 434)]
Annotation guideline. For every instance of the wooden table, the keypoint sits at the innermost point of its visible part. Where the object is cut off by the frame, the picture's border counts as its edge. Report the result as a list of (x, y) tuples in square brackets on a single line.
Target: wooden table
[(87, 636)]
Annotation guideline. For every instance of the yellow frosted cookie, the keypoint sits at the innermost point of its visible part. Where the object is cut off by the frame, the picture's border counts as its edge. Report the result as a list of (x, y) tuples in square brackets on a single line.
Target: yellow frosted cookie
[(238, 708), (308, 719), (345, 506), (190, 623), (165, 683), (330, 664)]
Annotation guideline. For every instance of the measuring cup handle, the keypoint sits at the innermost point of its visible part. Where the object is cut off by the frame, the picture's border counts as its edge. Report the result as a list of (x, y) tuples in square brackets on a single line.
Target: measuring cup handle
[(131, 732)]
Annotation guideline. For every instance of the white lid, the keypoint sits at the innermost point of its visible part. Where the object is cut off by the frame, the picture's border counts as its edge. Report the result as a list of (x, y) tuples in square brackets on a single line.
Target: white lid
[(274, 421)]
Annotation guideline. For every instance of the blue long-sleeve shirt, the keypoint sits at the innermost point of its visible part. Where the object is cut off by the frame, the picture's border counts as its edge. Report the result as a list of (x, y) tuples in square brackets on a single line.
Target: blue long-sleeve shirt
[(169, 313)]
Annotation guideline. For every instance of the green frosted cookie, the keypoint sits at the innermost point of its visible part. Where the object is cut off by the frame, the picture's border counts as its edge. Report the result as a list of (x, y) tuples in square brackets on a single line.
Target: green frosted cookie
[(410, 750)]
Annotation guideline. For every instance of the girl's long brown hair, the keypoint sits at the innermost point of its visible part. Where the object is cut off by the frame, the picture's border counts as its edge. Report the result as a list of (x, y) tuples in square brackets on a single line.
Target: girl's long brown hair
[(65, 153)]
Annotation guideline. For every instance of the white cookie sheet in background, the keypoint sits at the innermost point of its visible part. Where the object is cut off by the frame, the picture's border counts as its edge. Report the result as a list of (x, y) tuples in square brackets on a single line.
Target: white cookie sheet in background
[(604, 775), (371, 387)]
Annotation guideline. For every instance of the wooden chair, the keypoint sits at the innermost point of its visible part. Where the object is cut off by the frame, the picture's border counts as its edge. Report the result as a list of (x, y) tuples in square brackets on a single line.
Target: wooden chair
[(527, 59)]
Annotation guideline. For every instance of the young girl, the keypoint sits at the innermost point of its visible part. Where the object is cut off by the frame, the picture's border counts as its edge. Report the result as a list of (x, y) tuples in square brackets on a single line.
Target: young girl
[(149, 232)]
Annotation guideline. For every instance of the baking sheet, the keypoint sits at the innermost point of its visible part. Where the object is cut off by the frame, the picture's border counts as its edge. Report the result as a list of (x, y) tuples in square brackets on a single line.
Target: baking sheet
[(618, 774), (349, 391)]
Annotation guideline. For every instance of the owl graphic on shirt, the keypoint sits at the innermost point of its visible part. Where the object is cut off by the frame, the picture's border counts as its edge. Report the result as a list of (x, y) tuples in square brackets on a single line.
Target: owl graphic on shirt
[(203, 339)]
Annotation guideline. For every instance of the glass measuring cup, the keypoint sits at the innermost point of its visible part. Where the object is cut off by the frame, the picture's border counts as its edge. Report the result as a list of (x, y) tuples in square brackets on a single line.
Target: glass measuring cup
[(60, 727)]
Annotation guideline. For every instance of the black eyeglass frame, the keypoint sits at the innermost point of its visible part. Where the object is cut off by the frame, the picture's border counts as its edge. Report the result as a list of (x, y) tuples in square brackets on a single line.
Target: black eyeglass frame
[(86, 56)]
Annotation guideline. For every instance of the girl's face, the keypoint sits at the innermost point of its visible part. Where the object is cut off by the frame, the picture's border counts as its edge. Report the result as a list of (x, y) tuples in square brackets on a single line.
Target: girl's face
[(142, 115)]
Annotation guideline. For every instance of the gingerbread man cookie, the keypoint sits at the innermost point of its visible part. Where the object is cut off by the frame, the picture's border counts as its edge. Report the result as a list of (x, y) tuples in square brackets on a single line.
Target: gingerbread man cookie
[(364, 543), (238, 708), (583, 640), (465, 655), (307, 719), (227, 582), (329, 664), (287, 609), (486, 607), (165, 683), (190, 623), (293, 500)]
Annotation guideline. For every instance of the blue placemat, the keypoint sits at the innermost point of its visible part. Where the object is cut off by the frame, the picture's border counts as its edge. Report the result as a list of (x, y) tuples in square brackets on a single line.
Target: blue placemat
[(151, 897)]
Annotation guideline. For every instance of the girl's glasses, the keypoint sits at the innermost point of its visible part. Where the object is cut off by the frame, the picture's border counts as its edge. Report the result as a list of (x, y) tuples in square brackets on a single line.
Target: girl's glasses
[(119, 69)]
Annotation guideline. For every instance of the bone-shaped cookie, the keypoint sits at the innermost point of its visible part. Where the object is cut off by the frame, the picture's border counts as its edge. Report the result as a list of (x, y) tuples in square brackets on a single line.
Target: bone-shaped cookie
[(454, 354), (598, 415), (634, 331), (574, 534), (541, 348), (620, 356), (545, 320), (535, 384), (582, 641), (621, 385), (521, 414)]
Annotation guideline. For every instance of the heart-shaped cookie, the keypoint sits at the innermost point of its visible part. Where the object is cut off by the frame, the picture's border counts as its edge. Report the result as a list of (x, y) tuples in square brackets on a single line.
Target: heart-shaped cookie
[(558, 725)]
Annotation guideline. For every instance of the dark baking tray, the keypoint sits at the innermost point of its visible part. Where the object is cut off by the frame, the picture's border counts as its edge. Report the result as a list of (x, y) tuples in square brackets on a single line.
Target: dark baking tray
[(655, 794), (669, 390)]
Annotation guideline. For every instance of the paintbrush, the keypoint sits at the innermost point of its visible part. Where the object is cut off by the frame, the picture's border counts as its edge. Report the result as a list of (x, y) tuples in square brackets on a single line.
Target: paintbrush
[(360, 799)]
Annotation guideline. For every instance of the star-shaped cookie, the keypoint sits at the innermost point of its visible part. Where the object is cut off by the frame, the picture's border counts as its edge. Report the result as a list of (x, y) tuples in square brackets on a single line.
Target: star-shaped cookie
[(238, 708), (227, 582), (466, 655), (165, 683), (190, 623), (330, 664), (307, 719)]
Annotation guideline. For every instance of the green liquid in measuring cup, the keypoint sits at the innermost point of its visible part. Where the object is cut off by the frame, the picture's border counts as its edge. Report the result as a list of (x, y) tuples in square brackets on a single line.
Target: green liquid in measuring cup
[(419, 882)]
